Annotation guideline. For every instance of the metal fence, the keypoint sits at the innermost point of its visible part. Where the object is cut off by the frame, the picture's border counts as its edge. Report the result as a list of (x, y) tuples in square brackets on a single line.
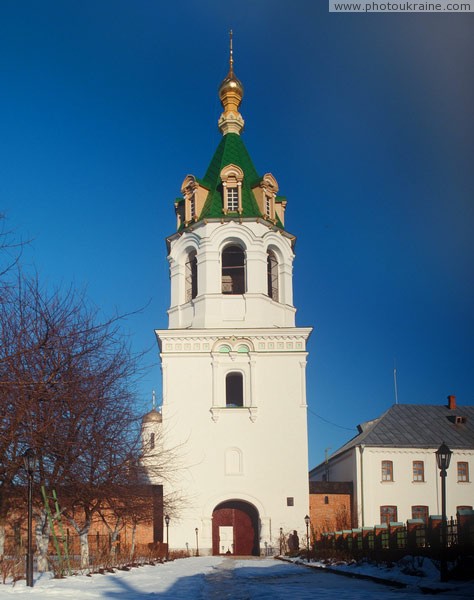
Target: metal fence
[(415, 536)]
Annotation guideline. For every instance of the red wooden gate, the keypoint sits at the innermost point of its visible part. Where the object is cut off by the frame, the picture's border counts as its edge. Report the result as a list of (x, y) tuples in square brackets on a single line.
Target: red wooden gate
[(239, 520)]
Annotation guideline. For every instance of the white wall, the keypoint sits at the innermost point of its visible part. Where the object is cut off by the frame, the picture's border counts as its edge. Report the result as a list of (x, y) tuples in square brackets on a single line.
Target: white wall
[(267, 437), (211, 308), (403, 492), (370, 492)]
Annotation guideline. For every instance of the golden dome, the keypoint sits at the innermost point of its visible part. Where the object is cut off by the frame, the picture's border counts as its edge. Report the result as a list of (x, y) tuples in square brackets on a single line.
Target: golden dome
[(152, 417), (231, 85)]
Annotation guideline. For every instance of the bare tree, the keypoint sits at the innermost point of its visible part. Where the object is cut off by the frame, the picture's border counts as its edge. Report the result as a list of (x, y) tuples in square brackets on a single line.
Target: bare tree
[(67, 391)]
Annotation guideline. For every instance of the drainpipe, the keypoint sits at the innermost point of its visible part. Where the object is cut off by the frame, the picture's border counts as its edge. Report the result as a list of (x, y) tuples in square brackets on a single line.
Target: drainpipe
[(361, 448)]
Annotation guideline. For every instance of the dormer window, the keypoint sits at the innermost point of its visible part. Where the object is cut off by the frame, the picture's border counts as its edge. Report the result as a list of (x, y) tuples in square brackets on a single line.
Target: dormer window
[(194, 196), (268, 206), (232, 199), (265, 193), (232, 177)]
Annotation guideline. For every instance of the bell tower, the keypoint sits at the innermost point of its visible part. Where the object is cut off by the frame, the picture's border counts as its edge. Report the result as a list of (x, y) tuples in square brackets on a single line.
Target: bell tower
[(233, 361)]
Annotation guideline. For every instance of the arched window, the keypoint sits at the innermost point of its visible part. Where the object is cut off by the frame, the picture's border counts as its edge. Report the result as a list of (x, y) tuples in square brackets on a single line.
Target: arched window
[(190, 269), (233, 270), (234, 390), (152, 441), (272, 276)]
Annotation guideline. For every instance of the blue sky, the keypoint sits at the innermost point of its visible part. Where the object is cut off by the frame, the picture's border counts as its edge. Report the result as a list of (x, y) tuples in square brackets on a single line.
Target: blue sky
[(366, 121)]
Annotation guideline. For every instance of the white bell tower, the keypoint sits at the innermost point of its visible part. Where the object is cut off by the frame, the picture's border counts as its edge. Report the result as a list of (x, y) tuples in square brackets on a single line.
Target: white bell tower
[(233, 361)]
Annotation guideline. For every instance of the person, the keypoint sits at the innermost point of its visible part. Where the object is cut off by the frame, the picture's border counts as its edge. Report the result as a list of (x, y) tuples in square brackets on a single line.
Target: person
[(293, 542)]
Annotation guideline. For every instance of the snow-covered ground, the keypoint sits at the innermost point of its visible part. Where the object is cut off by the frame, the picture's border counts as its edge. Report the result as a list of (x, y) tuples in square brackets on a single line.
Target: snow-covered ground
[(218, 578)]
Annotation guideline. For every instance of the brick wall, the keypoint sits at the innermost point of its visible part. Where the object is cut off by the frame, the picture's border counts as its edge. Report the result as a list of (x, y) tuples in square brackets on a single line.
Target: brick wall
[(330, 506)]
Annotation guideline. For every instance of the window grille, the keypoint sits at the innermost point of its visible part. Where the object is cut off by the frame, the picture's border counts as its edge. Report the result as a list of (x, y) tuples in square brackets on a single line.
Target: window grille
[(233, 270), (272, 276), (232, 199), (190, 268), (268, 206)]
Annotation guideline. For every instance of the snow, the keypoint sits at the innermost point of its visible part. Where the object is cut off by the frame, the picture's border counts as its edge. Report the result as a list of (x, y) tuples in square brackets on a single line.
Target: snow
[(221, 578)]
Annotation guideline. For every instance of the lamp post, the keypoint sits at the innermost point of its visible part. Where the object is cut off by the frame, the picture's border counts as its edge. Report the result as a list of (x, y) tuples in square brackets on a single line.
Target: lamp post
[(167, 522), (307, 521), (29, 460), (443, 458), (281, 541), (197, 541)]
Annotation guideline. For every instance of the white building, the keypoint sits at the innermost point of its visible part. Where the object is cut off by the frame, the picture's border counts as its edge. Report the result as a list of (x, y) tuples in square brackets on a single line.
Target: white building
[(392, 463), (233, 362)]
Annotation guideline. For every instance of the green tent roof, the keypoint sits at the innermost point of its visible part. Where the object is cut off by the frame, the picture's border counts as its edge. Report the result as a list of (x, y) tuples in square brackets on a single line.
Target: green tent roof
[(231, 150)]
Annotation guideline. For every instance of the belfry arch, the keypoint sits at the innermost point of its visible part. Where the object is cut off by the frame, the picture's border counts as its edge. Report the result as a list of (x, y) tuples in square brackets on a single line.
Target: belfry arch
[(235, 529)]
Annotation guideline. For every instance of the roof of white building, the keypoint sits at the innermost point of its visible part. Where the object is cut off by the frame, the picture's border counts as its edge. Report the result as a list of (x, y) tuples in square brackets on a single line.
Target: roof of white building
[(417, 426)]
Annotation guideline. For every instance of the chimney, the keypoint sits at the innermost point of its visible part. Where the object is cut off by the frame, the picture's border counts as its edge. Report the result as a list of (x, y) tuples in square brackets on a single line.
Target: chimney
[(452, 402)]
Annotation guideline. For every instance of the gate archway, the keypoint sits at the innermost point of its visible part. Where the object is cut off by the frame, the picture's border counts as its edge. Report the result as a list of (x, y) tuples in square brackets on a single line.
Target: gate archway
[(235, 529)]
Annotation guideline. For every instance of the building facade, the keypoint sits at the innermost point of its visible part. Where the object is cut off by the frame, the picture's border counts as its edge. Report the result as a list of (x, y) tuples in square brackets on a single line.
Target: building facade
[(392, 463), (233, 361)]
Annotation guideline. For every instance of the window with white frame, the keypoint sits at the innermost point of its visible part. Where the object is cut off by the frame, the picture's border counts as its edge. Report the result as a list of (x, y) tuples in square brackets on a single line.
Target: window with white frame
[(387, 470), (232, 177), (232, 199), (463, 472), (418, 470)]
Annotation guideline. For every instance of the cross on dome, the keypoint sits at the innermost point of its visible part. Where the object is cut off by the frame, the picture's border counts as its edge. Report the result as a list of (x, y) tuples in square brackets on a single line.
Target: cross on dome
[(231, 92)]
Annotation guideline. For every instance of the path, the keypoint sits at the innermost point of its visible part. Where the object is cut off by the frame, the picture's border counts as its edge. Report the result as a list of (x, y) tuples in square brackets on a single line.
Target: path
[(267, 579)]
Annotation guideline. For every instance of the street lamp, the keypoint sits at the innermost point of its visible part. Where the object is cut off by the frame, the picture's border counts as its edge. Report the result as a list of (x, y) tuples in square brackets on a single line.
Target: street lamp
[(197, 541), (307, 521), (281, 541), (29, 460), (443, 458), (167, 522)]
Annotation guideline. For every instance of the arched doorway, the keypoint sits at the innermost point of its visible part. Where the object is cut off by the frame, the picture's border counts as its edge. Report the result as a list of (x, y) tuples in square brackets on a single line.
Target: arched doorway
[(235, 529)]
